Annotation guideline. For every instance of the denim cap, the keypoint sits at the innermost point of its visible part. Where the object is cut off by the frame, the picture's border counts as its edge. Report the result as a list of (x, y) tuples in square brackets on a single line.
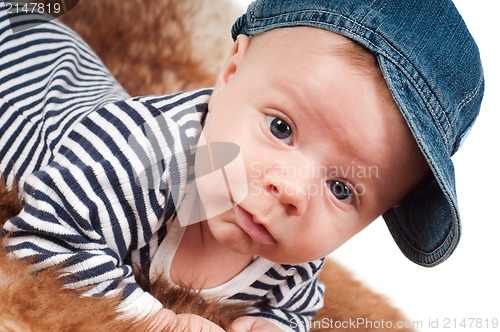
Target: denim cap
[(432, 67)]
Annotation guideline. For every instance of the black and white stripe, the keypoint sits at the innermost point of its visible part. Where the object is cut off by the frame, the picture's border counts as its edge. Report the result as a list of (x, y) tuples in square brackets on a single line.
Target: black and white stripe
[(66, 128), (52, 79)]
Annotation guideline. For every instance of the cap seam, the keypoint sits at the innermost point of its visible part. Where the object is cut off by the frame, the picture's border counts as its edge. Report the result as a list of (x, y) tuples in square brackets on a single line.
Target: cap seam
[(472, 94), (467, 99)]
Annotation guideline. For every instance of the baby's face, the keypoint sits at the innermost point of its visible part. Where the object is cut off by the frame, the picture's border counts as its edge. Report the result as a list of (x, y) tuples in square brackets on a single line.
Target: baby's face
[(324, 153)]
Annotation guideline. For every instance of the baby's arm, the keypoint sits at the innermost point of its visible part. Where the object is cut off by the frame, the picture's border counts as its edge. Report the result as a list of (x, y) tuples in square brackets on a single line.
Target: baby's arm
[(85, 210)]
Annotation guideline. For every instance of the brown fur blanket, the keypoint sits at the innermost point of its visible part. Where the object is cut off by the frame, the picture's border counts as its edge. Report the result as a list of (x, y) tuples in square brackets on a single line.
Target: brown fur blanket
[(155, 47)]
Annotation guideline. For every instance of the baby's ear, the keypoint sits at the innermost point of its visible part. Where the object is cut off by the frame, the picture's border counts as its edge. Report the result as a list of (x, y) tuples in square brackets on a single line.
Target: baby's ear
[(230, 66)]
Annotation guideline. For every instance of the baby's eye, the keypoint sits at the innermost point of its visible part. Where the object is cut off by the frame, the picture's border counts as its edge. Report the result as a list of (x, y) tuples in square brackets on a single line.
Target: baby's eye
[(341, 191), (280, 129)]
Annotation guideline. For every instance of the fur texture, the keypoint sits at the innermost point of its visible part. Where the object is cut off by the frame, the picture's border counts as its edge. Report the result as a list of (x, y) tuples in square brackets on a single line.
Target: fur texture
[(154, 47), (10, 203), (185, 300), (157, 47), (348, 299), (38, 302)]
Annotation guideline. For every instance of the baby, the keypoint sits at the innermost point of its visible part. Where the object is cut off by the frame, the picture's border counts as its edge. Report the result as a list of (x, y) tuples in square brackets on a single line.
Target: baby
[(340, 112)]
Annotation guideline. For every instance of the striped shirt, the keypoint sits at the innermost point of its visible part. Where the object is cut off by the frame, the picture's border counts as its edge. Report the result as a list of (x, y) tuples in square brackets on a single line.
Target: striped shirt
[(79, 146)]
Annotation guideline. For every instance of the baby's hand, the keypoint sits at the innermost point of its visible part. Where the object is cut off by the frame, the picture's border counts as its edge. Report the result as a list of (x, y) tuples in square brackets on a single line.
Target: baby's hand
[(184, 322), (254, 324)]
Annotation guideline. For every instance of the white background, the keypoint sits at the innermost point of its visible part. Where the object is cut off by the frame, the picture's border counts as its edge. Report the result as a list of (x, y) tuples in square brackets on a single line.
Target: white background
[(467, 285)]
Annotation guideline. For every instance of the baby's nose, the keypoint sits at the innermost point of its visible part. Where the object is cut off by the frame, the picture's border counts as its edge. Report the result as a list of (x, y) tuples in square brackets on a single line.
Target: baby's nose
[(291, 193)]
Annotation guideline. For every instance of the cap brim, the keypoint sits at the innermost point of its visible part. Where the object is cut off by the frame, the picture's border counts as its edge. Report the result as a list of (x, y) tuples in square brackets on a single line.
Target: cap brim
[(427, 233)]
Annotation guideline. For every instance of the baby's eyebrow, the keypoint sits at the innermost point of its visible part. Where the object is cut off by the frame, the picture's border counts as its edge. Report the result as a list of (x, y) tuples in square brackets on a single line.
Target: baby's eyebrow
[(290, 96), (353, 173)]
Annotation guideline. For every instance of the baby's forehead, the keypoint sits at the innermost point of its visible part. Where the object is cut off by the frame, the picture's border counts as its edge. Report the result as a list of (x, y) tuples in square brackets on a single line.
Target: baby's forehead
[(302, 39), (327, 76)]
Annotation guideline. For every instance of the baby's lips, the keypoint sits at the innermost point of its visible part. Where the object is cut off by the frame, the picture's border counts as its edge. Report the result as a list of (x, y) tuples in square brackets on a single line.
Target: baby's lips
[(256, 231)]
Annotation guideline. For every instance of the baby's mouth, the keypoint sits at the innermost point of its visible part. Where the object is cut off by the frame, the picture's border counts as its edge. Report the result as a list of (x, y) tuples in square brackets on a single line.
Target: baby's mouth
[(256, 231)]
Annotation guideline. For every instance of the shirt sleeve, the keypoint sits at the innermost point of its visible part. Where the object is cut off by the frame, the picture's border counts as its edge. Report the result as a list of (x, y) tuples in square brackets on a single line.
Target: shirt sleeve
[(295, 299), (86, 211)]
